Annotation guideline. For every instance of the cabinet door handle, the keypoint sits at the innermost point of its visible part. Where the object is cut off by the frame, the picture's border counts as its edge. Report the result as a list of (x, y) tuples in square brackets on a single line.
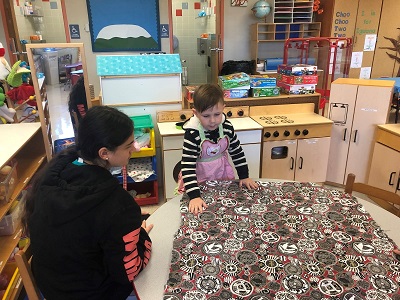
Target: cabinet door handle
[(301, 163), (291, 163), (344, 134), (391, 177), (355, 135), (398, 183)]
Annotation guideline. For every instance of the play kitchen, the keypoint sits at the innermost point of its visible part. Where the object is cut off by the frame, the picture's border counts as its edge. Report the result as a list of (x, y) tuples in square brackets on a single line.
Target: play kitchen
[(295, 142), (171, 135)]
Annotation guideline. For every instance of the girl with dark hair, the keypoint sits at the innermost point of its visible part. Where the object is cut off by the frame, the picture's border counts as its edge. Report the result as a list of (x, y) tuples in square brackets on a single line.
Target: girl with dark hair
[(87, 237), (77, 103)]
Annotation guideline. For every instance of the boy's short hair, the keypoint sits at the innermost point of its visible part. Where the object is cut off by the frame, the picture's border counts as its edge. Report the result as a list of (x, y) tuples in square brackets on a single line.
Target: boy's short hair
[(206, 96)]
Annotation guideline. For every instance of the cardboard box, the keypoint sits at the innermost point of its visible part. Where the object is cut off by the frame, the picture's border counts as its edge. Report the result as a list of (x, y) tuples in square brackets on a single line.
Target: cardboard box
[(235, 80), (258, 81), (265, 92), (297, 70), (236, 93), (304, 79), (297, 89)]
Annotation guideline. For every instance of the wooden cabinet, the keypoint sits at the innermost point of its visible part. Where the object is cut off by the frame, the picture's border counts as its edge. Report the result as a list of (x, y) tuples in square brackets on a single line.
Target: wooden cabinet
[(385, 164), (262, 34), (293, 11), (300, 160), (356, 106), (25, 145)]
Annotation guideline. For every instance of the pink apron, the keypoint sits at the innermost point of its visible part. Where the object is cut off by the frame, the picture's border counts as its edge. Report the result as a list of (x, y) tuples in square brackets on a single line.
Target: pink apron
[(213, 163)]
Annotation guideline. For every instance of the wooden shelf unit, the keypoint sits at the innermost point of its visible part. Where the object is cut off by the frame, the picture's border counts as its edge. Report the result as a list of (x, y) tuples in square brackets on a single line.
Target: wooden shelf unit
[(293, 11), (26, 146), (264, 33)]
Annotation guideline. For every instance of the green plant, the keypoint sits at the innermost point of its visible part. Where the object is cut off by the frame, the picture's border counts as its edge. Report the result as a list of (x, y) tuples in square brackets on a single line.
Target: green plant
[(395, 48)]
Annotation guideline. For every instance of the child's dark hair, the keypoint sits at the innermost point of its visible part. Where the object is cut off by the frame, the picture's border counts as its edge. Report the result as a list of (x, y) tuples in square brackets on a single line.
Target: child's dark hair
[(77, 96), (206, 96), (102, 126)]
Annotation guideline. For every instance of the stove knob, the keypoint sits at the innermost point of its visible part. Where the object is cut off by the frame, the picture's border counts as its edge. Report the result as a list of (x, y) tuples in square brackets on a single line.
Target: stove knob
[(276, 134), (267, 134), (286, 133), (183, 117), (229, 114), (305, 132), (240, 113), (297, 132)]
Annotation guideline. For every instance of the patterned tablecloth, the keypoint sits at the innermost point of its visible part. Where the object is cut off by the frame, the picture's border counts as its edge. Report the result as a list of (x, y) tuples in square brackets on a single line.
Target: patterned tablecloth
[(286, 241)]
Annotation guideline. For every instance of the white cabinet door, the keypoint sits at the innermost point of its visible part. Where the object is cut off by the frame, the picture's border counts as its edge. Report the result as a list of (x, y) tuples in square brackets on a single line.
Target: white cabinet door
[(279, 159), (170, 159), (385, 167), (253, 156), (312, 159), (341, 109), (372, 108)]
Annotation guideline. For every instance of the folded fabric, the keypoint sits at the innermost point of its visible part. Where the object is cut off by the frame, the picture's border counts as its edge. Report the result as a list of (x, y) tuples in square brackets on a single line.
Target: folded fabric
[(139, 169)]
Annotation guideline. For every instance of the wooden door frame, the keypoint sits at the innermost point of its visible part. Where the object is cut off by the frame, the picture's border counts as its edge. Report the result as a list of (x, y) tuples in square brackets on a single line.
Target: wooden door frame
[(10, 25)]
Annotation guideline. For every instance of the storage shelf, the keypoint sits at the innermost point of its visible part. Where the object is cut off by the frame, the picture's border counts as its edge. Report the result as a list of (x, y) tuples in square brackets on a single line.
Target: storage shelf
[(264, 33), (28, 149), (8, 244), (291, 10)]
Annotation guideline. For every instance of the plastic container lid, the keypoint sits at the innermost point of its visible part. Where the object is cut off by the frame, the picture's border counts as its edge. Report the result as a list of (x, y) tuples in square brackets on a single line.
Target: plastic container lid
[(143, 121)]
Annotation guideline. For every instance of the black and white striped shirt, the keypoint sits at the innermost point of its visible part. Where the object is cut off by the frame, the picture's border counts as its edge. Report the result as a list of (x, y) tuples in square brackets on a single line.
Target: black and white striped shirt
[(191, 152)]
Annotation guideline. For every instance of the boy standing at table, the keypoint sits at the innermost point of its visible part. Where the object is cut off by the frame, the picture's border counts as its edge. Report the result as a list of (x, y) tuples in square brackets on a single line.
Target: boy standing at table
[(209, 138)]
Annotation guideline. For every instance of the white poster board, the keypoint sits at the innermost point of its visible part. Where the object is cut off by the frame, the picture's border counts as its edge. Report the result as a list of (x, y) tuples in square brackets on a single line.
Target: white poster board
[(139, 90)]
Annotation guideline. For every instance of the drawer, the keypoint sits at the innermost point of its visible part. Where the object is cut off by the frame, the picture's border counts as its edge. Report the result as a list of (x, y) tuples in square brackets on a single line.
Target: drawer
[(249, 136), (172, 142)]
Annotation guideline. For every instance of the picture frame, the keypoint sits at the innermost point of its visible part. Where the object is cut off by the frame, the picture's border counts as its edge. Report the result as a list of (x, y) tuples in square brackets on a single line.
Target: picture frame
[(124, 25)]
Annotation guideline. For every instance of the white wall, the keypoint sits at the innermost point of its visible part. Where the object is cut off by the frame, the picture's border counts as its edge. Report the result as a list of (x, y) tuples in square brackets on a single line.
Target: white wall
[(237, 22)]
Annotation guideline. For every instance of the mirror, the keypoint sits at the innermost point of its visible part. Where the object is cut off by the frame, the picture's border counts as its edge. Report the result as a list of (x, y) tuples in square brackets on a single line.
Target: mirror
[(55, 70)]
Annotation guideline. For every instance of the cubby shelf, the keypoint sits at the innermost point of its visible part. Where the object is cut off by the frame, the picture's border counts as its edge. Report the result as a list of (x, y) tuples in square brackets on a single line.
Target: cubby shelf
[(262, 34), (293, 11)]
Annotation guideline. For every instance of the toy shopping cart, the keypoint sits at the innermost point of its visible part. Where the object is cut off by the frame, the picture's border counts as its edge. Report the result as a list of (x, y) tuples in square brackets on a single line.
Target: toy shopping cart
[(332, 55)]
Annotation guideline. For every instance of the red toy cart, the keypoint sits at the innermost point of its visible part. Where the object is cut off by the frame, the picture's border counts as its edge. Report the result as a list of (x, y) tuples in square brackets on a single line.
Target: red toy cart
[(332, 55)]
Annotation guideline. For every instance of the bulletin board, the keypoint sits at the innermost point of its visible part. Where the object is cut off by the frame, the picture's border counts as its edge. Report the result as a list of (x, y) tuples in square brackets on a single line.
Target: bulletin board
[(121, 25)]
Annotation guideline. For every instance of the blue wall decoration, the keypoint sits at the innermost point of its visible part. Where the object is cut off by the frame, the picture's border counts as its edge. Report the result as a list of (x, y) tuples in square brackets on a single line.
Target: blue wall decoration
[(121, 25)]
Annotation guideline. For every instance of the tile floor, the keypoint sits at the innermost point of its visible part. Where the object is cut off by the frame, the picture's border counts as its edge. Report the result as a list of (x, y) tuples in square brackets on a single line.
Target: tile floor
[(62, 128), (58, 105)]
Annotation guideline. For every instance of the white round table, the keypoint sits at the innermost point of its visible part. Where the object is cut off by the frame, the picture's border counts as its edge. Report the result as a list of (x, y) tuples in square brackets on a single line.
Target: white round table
[(167, 220)]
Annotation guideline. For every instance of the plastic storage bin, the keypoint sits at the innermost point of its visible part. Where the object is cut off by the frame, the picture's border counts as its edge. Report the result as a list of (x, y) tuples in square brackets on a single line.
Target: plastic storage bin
[(8, 182), (145, 123), (9, 223)]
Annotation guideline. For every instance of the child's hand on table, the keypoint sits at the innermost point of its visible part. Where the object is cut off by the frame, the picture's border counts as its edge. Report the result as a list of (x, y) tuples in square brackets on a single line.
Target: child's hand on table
[(197, 205), (249, 183)]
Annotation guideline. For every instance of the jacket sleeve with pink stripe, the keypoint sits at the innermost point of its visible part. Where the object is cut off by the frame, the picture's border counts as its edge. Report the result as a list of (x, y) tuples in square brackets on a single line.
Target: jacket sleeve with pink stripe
[(127, 246)]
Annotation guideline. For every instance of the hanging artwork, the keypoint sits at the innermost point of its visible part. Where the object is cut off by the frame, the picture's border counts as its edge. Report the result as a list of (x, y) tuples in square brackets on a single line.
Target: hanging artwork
[(239, 2), (121, 25)]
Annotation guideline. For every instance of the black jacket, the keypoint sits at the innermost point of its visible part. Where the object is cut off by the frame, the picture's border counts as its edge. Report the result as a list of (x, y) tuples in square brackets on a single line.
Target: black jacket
[(86, 234)]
